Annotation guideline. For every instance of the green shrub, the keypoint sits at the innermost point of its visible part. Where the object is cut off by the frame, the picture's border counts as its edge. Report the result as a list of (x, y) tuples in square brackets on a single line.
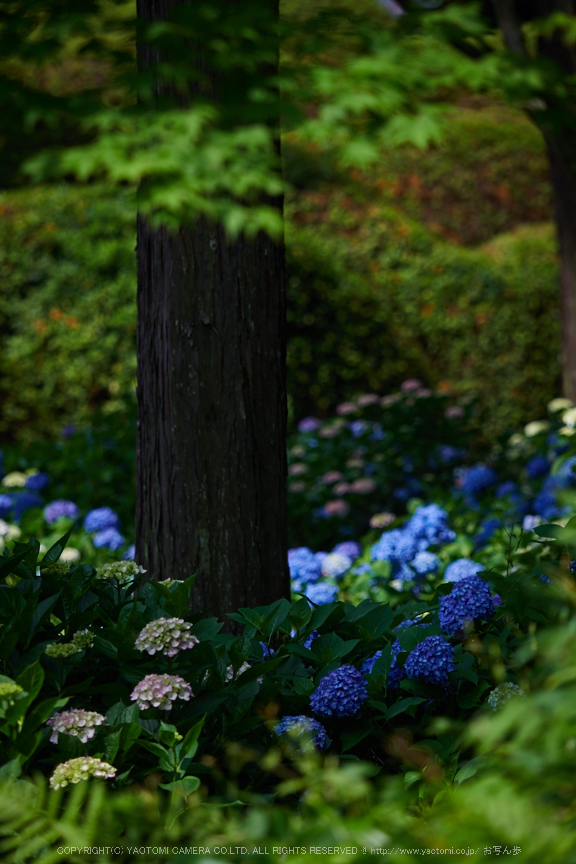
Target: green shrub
[(372, 299), (67, 306)]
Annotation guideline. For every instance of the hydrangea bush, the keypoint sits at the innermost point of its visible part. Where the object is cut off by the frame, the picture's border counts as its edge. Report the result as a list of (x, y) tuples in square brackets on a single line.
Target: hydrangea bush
[(412, 621)]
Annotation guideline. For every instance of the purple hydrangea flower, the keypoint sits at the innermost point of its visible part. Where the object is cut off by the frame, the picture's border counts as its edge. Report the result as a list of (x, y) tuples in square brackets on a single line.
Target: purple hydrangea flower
[(429, 525), (303, 729), (469, 599), (308, 424), (350, 548), (101, 518), (109, 538), (396, 546), (537, 467), (321, 593), (461, 569), (5, 506), (37, 482), (25, 501), (56, 509), (431, 660), (130, 554), (341, 693)]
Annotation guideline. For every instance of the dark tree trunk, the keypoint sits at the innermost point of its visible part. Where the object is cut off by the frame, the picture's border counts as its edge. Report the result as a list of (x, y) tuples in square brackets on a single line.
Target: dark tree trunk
[(562, 154), (211, 463), (556, 120)]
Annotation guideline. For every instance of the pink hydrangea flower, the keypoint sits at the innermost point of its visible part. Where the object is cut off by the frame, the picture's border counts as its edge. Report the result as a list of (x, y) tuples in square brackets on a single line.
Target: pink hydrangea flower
[(82, 724), (160, 691)]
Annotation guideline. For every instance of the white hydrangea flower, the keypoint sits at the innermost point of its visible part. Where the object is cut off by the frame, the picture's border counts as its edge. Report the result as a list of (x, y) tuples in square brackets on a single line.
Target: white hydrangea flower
[(14, 479), (559, 404), (160, 691), (123, 571), (167, 636), (75, 770), (82, 724), (70, 555), (536, 427)]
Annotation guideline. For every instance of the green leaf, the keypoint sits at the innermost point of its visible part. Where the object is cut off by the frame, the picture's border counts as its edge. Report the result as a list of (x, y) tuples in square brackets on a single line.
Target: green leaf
[(183, 787), (469, 769), (403, 706), (41, 611), (331, 647), (53, 554), (11, 564), (31, 680)]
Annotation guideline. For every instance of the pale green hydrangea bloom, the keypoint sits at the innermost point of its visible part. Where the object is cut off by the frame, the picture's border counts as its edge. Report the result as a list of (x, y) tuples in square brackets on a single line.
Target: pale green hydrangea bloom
[(503, 693), (75, 770), (123, 571)]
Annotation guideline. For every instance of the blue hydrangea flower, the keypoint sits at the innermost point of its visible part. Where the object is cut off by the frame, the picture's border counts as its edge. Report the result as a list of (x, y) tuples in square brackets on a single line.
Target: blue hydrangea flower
[(487, 529), (314, 635), (303, 728), (321, 593), (450, 454), (396, 673), (304, 565), (5, 506), (397, 545), (59, 508), (565, 476), (350, 548), (537, 467), (362, 568), (477, 479), (431, 660), (545, 505), (506, 488), (429, 524), (425, 562), (109, 538), (367, 665), (469, 599), (130, 554), (101, 518), (335, 564), (341, 693), (25, 501), (37, 482), (358, 427), (460, 569), (266, 651)]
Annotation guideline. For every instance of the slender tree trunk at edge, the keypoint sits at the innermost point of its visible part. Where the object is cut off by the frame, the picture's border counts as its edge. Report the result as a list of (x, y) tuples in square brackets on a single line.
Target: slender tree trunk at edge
[(563, 177), (211, 437)]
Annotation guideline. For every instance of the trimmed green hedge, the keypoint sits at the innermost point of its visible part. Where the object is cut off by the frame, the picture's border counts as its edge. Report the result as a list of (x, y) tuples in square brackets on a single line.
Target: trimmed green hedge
[(67, 306), (373, 299)]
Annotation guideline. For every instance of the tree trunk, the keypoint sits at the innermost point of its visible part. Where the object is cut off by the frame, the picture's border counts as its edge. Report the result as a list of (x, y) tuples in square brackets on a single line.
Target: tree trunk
[(556, 119), (562, 152), (211, 463)]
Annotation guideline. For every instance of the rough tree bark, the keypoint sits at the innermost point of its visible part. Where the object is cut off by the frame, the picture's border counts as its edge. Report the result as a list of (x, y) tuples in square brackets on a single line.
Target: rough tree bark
[(211, 463), (557, 122)]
